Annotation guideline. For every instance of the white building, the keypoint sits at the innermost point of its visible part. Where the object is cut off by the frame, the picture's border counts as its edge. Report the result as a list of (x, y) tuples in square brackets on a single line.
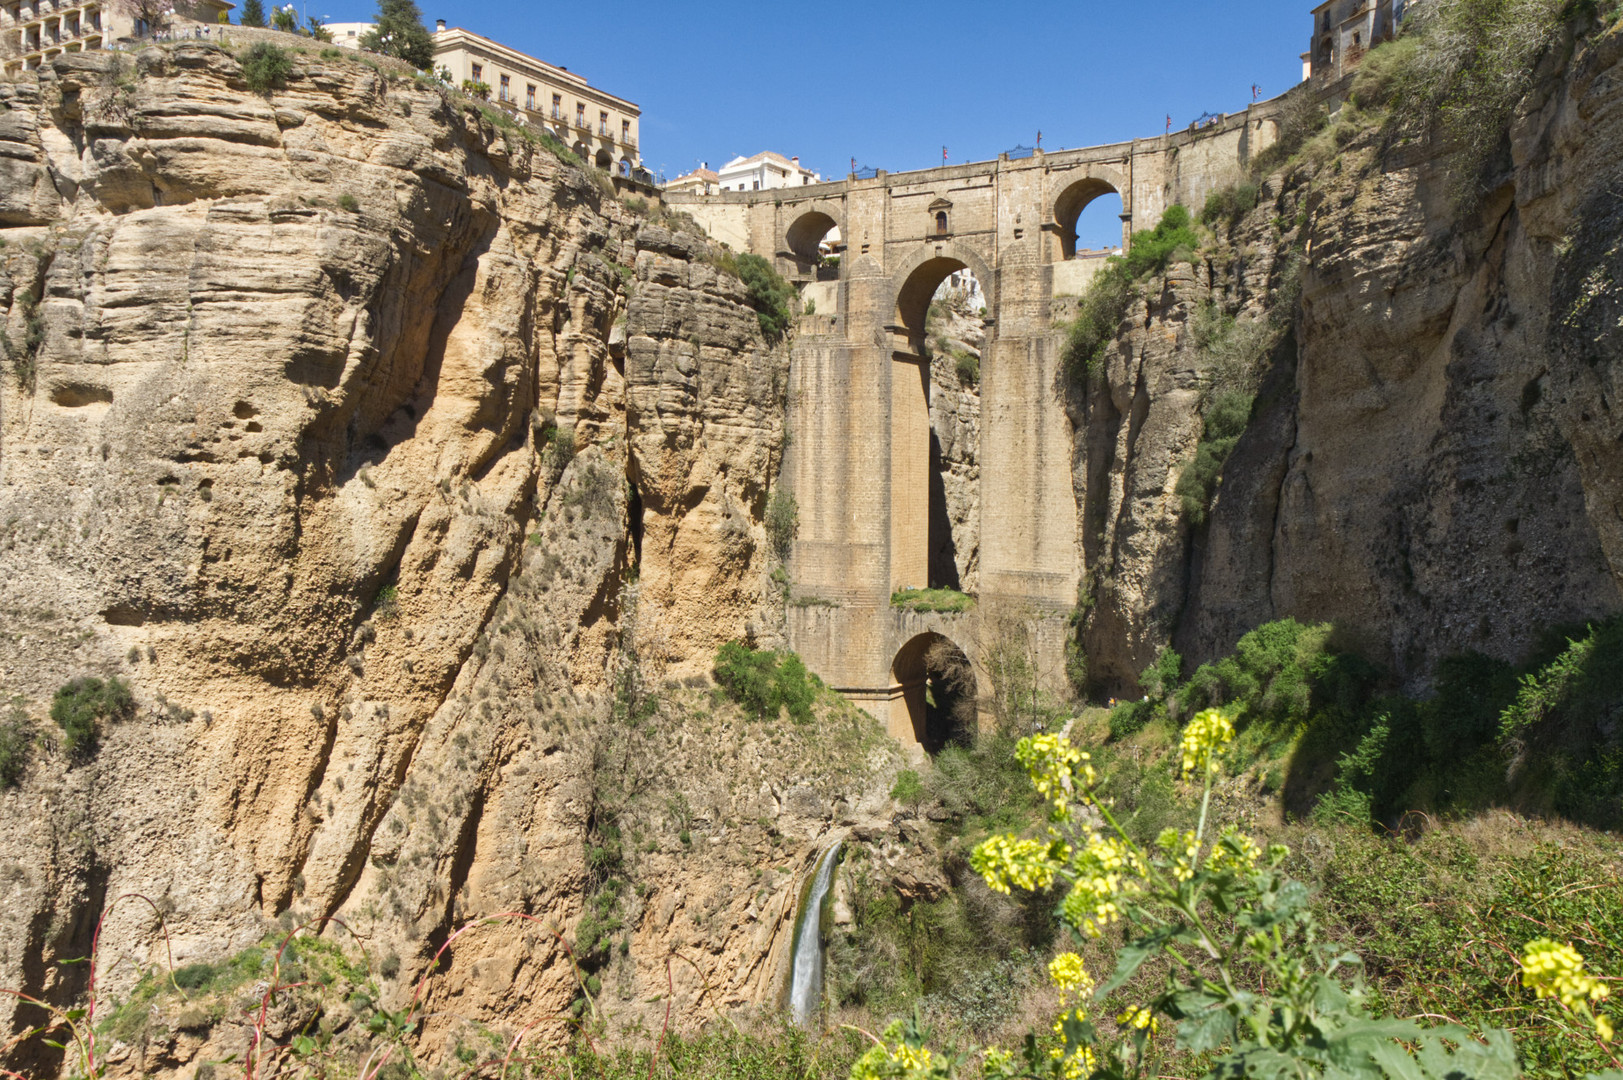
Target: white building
[(763, 172), (348, 34)]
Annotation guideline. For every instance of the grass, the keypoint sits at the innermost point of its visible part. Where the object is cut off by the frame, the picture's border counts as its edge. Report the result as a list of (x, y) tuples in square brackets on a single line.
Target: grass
[(946, 601)]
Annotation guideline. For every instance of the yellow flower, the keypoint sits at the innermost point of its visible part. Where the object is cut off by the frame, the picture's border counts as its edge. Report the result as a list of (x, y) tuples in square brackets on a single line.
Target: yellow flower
[(1005, 861), (1091, 905), (1183, 848), (1234, 851), (1068, 973), (1553, 970), (1140, 1017), (1059, 771), (1209, 731)]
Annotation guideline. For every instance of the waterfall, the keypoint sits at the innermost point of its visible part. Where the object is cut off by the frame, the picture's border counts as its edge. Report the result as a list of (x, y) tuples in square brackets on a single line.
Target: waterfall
[(806, 959)]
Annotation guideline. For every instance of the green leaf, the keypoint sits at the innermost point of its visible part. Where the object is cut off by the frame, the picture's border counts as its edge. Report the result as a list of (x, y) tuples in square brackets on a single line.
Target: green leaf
[(1206, 1030), (1132, 957)]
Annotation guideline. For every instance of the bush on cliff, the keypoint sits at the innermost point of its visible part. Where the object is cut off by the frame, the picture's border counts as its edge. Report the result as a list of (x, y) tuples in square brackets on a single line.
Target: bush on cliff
[(764, 682), (82, 706), (772, 297), (265, 66), (1110, 292), (15, 736)]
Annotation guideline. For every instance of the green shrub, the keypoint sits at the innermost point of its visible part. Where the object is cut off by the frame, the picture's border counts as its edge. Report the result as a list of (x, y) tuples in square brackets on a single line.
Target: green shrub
[(764, 682), (559, 449), (1131, 717), (265, 66), (348, 202), (1111, 291), (1229, 205), (772, 297), (195, 976), (908, 789), (83, 705), (16, 735), (968, 368), (1224, 423), (782, 523), (253, 13)]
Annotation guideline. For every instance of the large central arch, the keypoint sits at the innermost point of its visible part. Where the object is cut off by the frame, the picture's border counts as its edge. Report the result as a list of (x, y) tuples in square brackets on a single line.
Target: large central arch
[(922, 272)]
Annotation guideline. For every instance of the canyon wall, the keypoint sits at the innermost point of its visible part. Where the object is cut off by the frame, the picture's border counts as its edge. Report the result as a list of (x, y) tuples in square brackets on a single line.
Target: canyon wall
[(336, 420), (1432, 462)]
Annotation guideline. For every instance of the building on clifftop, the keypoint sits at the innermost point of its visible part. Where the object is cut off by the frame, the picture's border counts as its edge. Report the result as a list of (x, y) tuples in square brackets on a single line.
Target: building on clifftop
[(599, 127), (1344, 30), (33, 31)]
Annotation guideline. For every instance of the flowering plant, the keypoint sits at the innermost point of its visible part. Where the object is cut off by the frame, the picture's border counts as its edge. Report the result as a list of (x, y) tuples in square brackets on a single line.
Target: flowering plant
[(1248, 983)]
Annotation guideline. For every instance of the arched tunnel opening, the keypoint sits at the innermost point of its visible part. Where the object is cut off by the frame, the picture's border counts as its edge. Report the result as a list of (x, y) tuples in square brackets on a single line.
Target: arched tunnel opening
[(939, 690)]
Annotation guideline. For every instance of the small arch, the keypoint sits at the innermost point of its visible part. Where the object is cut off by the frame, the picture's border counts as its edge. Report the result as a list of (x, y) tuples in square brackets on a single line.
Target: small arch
[(1069, 207), (604, 159), (625, 166), (807, 232), (937, 689), (581, 151)]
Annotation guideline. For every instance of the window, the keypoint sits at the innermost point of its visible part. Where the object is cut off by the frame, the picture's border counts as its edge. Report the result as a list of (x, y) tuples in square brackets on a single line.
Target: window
[(478, 73), (625, 131), (580, 115), (557, 106), (506, 93), (602, 123), (757, 185), (941, 223), (529, 98)]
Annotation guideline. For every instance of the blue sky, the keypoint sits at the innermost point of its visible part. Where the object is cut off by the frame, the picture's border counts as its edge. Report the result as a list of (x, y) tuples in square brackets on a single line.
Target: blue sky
[(890, 83)]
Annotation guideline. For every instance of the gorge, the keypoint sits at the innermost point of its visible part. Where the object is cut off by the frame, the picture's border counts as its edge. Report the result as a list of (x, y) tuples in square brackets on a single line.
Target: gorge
[(411, 477)]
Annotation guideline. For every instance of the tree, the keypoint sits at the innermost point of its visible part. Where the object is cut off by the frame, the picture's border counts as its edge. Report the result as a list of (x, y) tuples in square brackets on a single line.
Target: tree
[(285, 19), (399, 31), (318, 31), (253, 13)]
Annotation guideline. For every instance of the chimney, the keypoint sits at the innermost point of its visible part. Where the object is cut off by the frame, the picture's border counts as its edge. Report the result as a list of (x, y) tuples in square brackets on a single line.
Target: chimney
[(796, 160), (439, 26)]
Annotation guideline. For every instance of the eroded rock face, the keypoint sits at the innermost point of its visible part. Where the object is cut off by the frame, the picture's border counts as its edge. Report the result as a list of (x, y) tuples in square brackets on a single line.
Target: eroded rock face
[(956, 333), (1431, 463), (335, 420)]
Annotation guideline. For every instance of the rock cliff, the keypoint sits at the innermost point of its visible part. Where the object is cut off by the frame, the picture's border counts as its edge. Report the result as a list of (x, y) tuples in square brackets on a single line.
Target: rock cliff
[(1431, 462), (336, 419)]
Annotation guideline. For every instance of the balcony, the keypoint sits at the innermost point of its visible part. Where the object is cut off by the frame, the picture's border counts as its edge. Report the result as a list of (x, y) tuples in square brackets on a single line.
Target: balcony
[(628, 141)]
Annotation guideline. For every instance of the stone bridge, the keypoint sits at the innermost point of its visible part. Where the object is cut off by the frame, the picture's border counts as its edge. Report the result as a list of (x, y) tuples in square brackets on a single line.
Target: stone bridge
[(863, 457)]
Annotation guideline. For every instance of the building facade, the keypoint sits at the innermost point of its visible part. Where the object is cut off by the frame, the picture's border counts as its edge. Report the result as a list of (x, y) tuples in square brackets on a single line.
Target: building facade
[(348, 34), (701, 181), (764, 172), (599, 127), (33, 31), (1344, 30)]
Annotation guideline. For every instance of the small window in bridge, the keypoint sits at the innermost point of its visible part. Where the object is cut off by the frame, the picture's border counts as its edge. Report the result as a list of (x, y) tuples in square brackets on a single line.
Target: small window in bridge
[(941, 223)]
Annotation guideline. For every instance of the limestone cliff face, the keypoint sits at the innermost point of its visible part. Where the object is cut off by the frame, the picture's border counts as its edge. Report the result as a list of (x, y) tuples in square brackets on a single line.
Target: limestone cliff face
[(335, 420), (1432, 463)]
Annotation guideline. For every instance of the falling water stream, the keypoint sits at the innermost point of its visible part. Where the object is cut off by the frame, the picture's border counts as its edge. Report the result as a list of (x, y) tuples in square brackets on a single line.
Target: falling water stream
[(806, 959)]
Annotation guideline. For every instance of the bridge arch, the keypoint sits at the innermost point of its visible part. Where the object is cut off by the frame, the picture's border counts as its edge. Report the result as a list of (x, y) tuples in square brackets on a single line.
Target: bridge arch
[(1075, 197), (921, 273), (803, 237), (937, 688)]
